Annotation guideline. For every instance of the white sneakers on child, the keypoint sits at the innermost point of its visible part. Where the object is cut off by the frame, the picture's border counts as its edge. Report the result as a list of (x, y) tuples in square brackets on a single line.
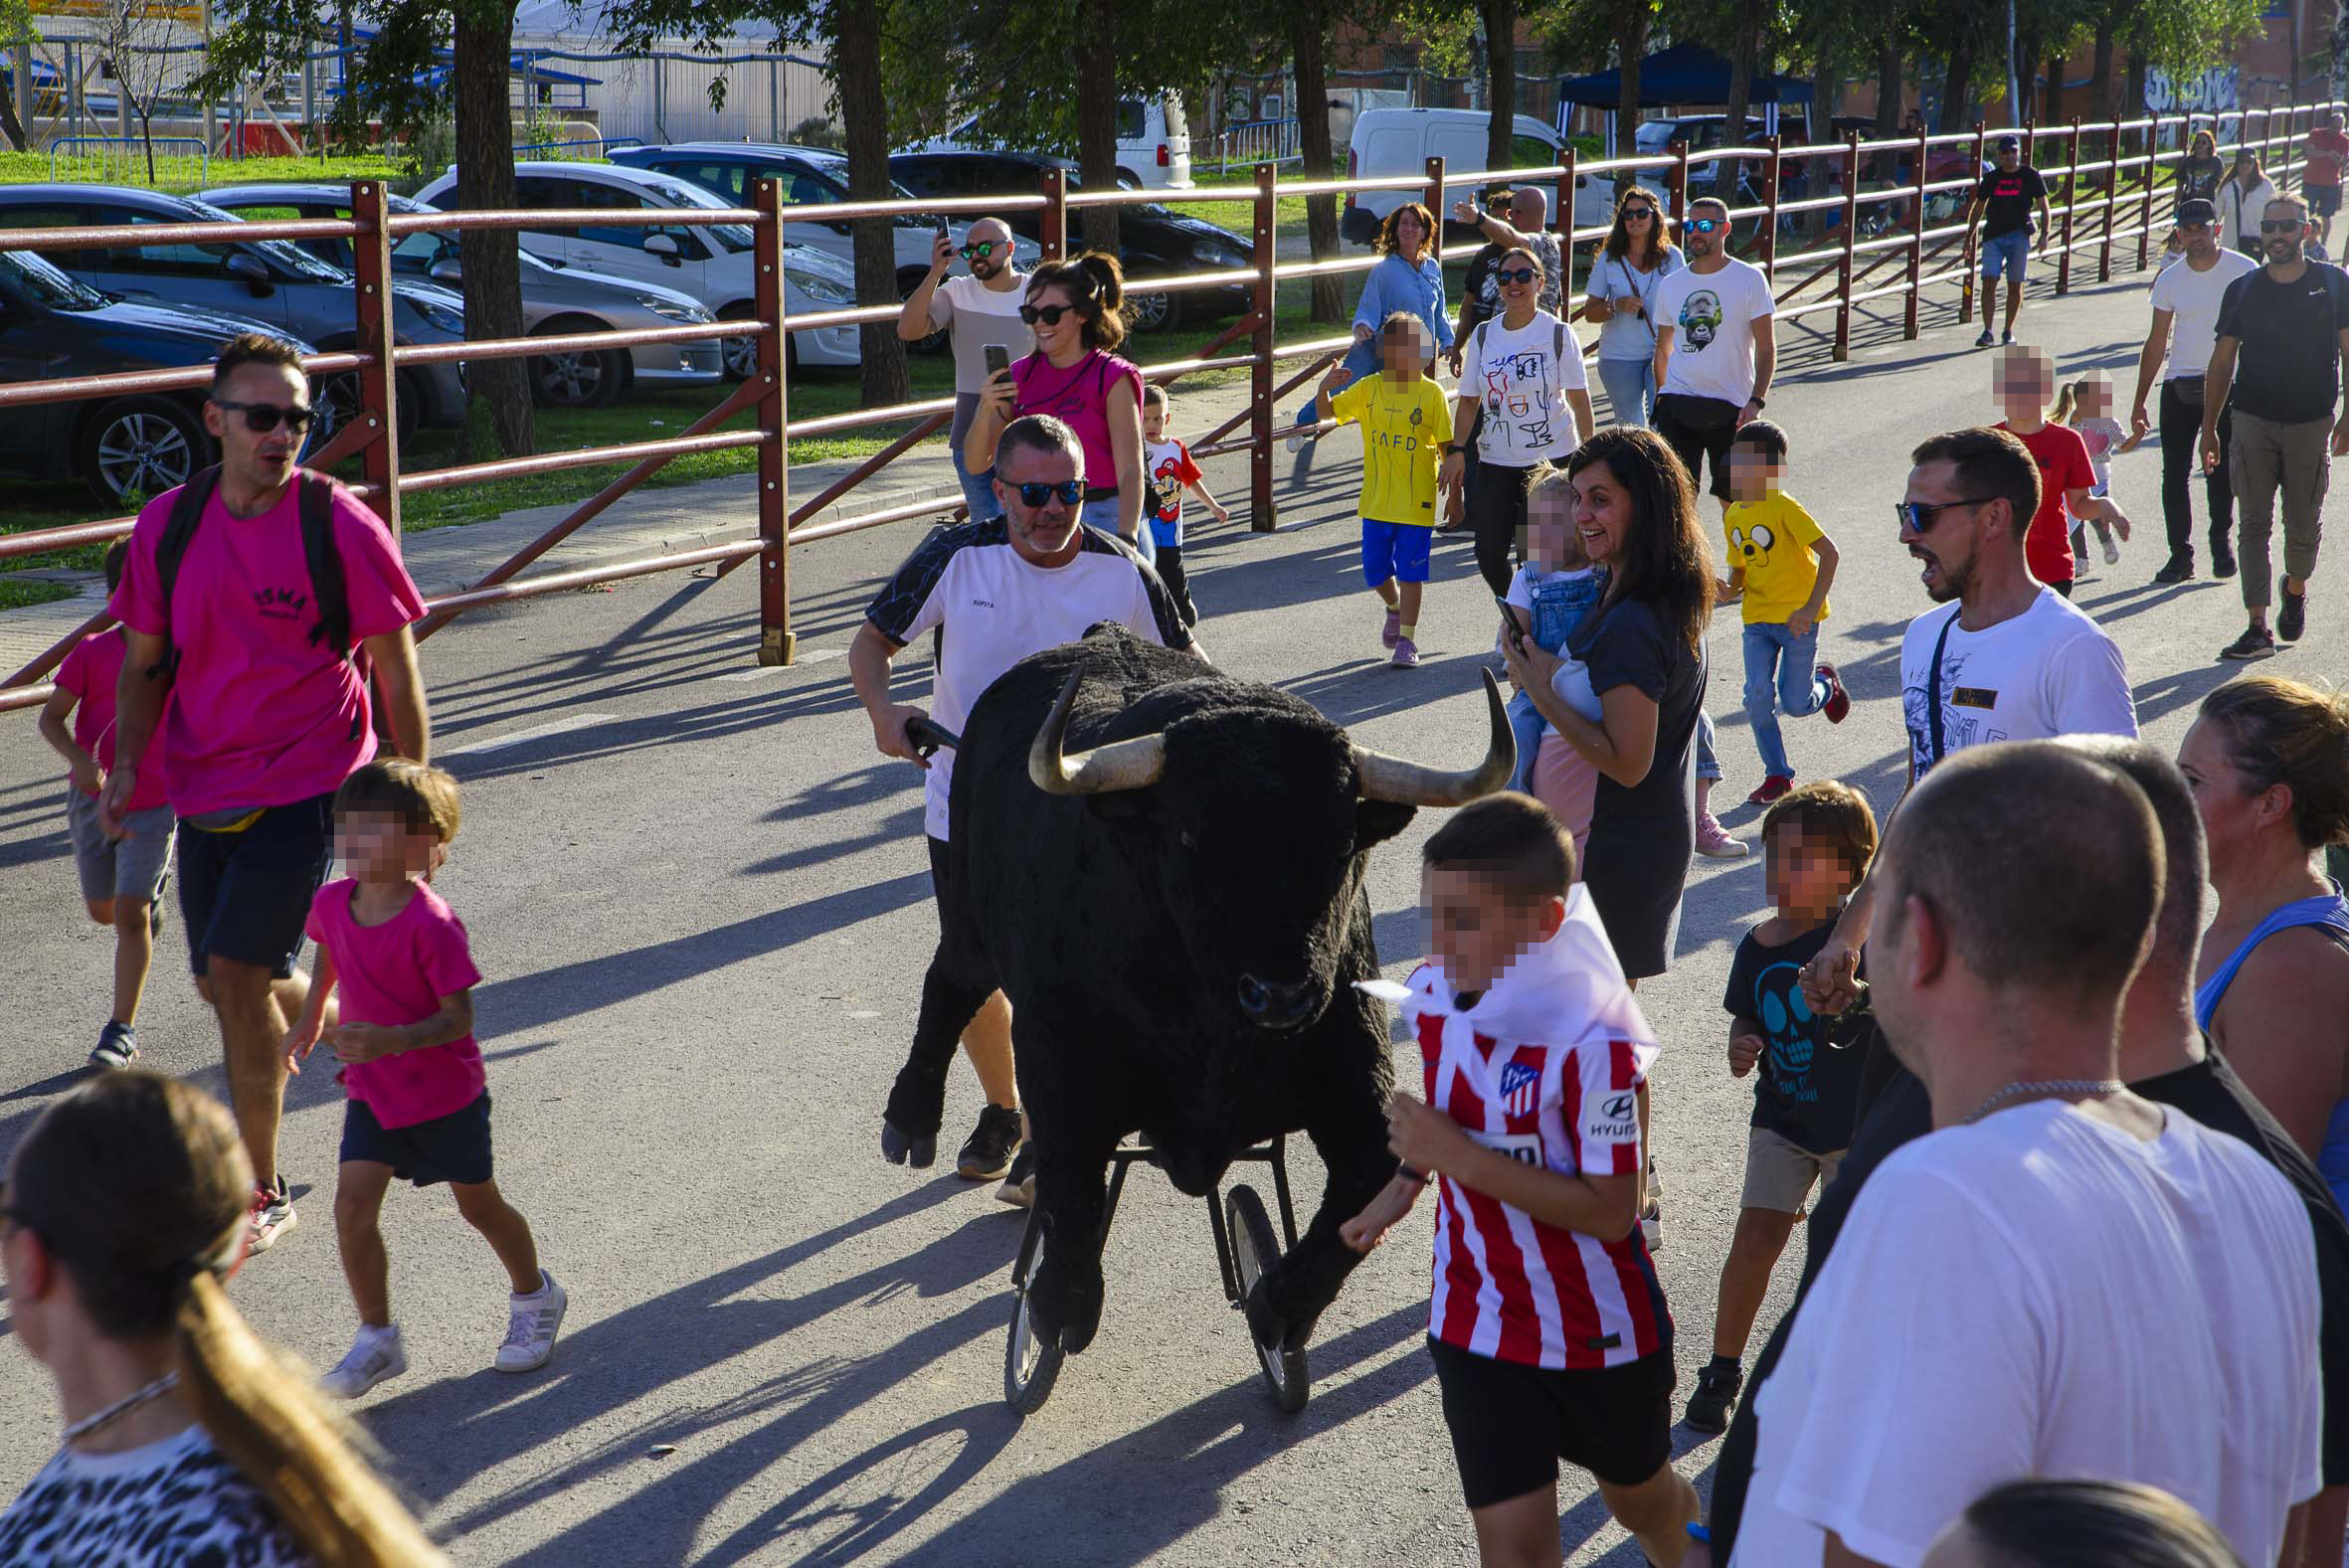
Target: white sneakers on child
[(531, 1325), (373, 1355)]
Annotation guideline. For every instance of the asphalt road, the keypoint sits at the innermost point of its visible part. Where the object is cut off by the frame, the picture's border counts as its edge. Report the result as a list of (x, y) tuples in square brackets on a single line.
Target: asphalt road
[(701, 900)]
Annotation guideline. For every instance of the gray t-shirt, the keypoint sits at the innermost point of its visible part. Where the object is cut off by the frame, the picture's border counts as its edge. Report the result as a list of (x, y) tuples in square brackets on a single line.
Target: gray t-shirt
[(974, 315)]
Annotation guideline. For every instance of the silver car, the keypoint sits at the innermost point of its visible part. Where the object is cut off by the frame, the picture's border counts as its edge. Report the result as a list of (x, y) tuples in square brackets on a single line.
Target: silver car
[(555, 300)]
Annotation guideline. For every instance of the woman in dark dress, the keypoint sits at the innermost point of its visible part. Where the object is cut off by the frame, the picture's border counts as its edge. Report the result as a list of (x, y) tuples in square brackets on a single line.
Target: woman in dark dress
[(1644, 646)]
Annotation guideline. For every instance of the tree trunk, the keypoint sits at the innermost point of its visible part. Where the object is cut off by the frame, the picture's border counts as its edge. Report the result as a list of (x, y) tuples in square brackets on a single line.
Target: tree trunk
[(1631, 45), (483, 43), (1888, 81), (2135, 90), (1733, 126), (1958, 85), (859, 100), (2054, 99), (1308, 24), (1826, 77), (2102, 86), (1501, 73), (1097, 120), (2027, 76)]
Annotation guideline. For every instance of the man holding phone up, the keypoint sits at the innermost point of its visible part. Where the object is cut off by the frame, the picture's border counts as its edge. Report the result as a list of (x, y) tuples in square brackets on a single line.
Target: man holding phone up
[(977, 312)]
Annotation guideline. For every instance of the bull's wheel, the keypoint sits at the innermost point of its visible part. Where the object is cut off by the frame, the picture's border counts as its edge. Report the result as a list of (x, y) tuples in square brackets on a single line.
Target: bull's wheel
[(1254, 1251), (1030, 1361)]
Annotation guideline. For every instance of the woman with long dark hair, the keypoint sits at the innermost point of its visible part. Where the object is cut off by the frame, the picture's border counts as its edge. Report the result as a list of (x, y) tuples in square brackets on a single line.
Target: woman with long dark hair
[(2201, 170), (186, 1439), (1409, 277), (1639, 254)]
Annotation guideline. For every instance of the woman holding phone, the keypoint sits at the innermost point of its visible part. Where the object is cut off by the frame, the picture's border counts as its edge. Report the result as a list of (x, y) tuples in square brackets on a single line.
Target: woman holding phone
[(1074, 375)]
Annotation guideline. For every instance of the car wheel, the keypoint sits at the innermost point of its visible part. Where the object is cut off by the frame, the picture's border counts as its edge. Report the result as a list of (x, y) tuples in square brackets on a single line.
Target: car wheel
[(740, 353), (338, 395), (140, 447), (936, 342), (1128, 180), (582, 379), (1150, 312)]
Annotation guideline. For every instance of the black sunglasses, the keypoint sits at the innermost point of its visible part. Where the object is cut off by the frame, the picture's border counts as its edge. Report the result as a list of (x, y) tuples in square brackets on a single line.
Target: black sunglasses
[(2284, 227), (1036, 491), (980, 249), (1516, 275), (1919, 516), (263, 418), (1705, 225), (1048, 314), (1639, 212)]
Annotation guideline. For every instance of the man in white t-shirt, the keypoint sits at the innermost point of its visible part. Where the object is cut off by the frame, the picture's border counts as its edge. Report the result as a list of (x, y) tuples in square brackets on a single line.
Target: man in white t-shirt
[(1717, 346), (2011, 660), (995, 592), (2186, 322), (975, 312), (2063, 1279)]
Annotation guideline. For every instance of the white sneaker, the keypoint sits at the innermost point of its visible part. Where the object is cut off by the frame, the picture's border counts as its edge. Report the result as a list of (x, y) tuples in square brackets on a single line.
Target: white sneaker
[(373, 1355), (2111, 551), (530, 1326), (1296, 441)]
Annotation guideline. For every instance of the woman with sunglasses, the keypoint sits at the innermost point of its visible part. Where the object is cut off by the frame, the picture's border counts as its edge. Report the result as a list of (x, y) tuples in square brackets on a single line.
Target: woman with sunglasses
[(187, 1440), (2242, 199), (1076, 308), (1638, 254), (2201, 170), (1409, 277)]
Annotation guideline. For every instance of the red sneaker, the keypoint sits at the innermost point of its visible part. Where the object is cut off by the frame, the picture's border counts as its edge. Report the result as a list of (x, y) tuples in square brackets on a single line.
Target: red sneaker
[(1771, 787), (1839, 701)]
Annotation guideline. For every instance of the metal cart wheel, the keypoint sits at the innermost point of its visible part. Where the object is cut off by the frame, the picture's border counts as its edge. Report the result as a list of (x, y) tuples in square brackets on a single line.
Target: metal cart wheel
[(1253, 1250), (1030, 1363)]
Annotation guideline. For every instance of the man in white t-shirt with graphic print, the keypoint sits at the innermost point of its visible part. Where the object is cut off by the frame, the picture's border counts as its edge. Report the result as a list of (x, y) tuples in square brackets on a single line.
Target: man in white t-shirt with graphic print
[(997, 592), (2186, 303), (1717, 347), (2062, 1279), (2011, 659), (975, 312)]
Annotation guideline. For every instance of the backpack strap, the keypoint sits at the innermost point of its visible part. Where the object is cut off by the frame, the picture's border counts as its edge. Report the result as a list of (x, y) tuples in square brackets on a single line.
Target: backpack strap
[(187, 510), (328, 588)]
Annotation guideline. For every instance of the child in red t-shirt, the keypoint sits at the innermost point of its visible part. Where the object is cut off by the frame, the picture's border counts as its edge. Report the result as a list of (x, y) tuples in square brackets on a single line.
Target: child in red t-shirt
[(123, 877), (419, 1104), (2023, 378)]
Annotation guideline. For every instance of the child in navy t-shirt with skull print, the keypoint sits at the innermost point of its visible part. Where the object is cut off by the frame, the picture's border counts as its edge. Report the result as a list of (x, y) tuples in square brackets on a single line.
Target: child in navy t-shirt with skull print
[(1818, 839)]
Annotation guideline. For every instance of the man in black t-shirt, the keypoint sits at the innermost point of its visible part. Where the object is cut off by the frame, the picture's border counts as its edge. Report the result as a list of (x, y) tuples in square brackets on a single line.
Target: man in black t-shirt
[(2002, 205), (2165, 1059), (2283, 333)]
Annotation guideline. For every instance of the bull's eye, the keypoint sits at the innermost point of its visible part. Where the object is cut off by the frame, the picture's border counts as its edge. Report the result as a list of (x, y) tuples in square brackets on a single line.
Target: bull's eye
[(1189, 839)]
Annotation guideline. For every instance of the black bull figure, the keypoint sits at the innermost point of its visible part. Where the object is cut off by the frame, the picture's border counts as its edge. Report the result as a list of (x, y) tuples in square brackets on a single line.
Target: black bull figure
[(1162, 868)]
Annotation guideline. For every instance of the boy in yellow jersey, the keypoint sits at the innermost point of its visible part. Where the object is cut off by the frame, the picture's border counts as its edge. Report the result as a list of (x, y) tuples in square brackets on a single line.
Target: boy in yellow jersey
[(1406, 420), (1782, 564)]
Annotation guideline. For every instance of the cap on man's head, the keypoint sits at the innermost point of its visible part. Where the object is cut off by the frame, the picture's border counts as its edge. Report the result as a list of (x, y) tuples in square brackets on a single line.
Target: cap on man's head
[(2010, 144), (2194, 210)]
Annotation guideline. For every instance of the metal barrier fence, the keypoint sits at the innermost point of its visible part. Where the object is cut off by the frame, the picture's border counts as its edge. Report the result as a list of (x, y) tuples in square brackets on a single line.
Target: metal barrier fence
[(1252, 143), (2098, 205), (106, 160)]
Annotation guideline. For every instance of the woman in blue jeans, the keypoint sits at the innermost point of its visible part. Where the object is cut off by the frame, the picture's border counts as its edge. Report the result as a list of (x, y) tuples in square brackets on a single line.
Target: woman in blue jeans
[(1409, 277), (1638, 254)]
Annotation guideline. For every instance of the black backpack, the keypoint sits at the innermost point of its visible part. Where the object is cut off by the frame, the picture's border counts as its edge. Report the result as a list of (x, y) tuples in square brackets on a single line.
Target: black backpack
[(329, 593)]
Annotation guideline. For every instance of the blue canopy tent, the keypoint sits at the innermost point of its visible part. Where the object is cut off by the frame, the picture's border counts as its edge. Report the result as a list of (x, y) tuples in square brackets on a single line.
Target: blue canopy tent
[(1681, 73)]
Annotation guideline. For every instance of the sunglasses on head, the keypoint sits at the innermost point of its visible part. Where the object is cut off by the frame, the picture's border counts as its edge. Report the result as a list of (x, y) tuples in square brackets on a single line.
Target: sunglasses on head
[(1048, 314), (1705, 225), (1639, 212), (1516, 275), (1919, 516), (2279, 225), (263, 418), (1037, 491), (981, 250)]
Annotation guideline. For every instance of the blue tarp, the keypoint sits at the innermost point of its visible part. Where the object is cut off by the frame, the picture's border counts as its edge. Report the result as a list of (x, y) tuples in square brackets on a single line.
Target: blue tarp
[(1682, 73)]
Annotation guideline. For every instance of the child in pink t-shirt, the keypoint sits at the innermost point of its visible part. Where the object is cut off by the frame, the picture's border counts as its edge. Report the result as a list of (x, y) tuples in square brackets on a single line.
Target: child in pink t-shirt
[(121, 877), (419, 1104)]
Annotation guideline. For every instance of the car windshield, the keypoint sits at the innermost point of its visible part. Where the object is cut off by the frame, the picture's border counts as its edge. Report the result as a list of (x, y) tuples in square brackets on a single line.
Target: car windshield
[(1655, 135), (836, 171), (292, 257), (734, 236), (44, 285)]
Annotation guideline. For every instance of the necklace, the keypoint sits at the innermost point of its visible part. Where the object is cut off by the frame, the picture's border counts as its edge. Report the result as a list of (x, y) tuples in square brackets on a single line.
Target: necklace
[(2038, 1088), (121, 1407)]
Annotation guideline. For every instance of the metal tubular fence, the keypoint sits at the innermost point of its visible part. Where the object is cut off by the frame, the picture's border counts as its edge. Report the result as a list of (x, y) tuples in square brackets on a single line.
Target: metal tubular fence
[(2108, 200)]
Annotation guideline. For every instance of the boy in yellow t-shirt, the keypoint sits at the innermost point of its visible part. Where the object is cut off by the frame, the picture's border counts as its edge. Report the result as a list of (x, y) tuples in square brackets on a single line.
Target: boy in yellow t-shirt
[(1781, 564), (1405, 420)]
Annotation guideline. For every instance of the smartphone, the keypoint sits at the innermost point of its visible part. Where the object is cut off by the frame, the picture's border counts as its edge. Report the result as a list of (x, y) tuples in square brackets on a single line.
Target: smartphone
[(1509, 627), (942, 229), (999, 360)]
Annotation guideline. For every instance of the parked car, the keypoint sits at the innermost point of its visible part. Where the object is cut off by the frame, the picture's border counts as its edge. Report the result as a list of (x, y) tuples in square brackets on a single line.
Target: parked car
[(1154, 143), (134, 445), (1153, 241), (280, 285), (555, 301), (711, 262), (1389, 142)]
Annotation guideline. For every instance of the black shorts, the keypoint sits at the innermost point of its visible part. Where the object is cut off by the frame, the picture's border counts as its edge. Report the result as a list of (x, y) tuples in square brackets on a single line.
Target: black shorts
[(2064, 587), (2323, 200), (454, 1147), (1698, 435), (245, 895), (1511, 1424), (937, 868)]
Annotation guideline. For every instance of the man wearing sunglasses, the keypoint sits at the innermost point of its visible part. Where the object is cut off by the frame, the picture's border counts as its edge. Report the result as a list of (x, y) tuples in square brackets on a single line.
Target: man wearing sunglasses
[(259, 609), (1717, 347), (2002, 205), (976, 312), (2283, 335), (2186, 301), (997, 592)]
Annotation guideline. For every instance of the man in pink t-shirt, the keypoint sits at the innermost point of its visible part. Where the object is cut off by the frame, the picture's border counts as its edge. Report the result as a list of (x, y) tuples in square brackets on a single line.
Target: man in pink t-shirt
[(2320, 181), (268, 715)]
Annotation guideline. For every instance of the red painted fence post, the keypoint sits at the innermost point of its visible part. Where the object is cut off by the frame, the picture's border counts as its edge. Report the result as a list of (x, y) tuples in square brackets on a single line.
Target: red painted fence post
[(778, 643), (1261, 516), (379, 395)]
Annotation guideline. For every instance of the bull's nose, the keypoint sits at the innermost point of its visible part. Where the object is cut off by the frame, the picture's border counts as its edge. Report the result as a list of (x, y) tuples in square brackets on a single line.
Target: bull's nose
[(1275, 1005)]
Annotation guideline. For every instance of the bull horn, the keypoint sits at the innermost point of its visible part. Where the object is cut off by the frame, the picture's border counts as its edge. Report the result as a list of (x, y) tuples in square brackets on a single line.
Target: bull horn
[(1121, 765), (1384, 778)]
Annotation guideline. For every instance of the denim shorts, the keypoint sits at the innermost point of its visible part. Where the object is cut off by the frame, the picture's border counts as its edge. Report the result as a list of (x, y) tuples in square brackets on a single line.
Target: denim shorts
[(2008, 255)]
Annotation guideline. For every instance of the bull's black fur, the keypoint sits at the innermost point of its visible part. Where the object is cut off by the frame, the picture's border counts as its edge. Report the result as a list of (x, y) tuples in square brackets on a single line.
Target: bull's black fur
[(1119, 924)]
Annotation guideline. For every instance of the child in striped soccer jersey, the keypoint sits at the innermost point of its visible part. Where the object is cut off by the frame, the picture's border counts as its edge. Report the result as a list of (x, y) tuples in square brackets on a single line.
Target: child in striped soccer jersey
[(1547, 1327)]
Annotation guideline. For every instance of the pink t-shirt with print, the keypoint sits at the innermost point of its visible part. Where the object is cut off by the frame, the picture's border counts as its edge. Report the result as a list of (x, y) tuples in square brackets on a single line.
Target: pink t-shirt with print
[(396, 973), (92, 672), (260, 715)]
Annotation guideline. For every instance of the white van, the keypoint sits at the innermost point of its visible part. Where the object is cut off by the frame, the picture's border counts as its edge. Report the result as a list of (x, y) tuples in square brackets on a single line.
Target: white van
[(1154, 143), (1389, 141)]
